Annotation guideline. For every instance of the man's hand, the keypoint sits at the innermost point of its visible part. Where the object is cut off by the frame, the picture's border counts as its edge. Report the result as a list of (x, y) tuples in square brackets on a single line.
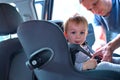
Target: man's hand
[(105, 53)]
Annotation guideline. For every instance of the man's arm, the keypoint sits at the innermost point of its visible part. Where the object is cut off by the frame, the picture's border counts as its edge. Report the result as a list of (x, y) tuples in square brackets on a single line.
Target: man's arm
[(115, 43)]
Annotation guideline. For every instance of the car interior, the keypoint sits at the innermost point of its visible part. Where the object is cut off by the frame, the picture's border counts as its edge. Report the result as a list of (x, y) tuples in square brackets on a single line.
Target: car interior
[(33, 46), (49, 55)]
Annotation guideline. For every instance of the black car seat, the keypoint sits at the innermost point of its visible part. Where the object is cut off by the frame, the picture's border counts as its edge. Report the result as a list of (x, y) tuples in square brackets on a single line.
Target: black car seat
[(48, 54), (12, 56)]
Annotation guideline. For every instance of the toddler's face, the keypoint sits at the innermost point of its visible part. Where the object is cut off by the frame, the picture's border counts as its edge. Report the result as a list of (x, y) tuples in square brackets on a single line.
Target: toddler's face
[(76, 33)]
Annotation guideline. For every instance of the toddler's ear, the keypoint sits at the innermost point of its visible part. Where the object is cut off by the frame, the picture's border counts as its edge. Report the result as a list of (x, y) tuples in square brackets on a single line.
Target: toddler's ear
[(65, 34)]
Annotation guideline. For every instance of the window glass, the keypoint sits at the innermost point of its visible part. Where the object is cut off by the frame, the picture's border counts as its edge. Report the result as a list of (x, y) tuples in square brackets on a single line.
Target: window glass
[(39, 8), (63, 9)]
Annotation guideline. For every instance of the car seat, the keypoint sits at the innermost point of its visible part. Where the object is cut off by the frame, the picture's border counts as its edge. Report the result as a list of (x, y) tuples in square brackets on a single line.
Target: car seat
[(48, 54), (12, 56), (59, 23)]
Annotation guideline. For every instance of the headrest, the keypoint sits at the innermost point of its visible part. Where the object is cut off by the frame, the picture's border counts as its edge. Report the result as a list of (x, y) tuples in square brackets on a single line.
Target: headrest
[(44, 43), (36, 33), (9, 19)]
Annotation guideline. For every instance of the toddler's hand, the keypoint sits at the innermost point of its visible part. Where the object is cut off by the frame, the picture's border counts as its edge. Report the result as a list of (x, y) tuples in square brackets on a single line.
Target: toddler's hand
[(90, 64)]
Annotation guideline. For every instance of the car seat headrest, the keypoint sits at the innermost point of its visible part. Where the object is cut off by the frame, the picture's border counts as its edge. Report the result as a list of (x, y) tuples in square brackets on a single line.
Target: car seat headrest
[(42, 38), (9, 19)]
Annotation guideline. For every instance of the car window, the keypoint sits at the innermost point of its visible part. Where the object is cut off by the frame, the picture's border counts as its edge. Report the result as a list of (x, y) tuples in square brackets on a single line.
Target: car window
[(39, 5), (62, 10)]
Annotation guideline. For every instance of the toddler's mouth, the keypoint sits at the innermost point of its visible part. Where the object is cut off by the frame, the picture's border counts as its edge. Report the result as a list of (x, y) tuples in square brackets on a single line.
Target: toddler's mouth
[(77, 42)]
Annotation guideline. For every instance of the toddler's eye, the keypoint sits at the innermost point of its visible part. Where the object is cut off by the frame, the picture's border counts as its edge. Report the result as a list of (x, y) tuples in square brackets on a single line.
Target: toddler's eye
[(73, 32), (90, 9), (82, 32)]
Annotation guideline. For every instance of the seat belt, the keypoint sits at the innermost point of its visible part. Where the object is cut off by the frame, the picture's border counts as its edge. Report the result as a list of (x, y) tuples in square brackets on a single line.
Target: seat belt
[(74, 48)]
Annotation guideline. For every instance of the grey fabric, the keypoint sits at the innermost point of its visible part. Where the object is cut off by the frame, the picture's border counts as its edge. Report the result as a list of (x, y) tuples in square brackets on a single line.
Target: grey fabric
[(9, 19), (12, 59), (36, 35), (7, 53), (12, 56), (18, 69)]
